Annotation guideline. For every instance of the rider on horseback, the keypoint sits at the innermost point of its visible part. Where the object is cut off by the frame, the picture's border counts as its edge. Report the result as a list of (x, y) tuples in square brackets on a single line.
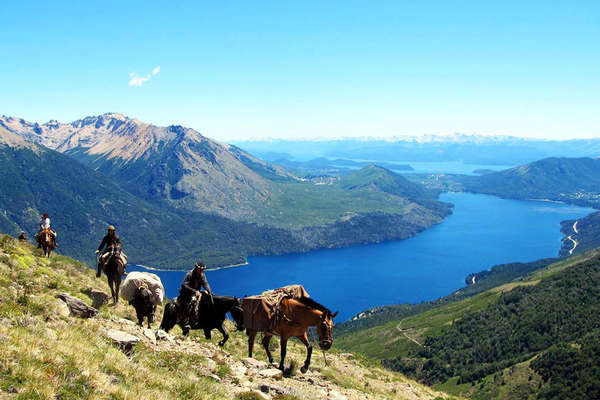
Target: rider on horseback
[(192, 283), (113, 246), (45, 227)]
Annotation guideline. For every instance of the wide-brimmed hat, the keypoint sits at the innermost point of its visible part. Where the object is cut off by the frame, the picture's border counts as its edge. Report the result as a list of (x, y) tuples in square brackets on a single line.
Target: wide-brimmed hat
[(44, 215), (200, 264), (111, 228)]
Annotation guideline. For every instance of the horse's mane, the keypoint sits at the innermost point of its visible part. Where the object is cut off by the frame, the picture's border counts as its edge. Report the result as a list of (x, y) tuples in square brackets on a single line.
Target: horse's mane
[(307, 301)]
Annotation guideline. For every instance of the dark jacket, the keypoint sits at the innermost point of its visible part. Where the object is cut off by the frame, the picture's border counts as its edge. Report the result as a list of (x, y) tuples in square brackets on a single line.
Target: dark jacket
[(192, 283), (109, 241)]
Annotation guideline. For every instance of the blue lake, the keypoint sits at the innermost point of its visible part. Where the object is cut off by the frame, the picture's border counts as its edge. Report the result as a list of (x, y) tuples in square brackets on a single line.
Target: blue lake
[(482, 231)]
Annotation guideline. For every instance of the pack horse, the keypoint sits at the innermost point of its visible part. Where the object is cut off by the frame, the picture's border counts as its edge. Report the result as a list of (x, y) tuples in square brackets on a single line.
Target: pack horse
[(287, 312)]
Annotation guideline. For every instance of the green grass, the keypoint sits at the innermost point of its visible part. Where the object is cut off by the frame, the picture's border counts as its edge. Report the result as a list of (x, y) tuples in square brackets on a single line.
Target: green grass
[(390, 340), (298, 204)]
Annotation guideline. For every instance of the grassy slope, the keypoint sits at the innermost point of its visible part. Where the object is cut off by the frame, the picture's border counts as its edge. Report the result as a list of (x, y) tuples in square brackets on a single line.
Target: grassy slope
[(397, 338), (370, 341), (44, 355)]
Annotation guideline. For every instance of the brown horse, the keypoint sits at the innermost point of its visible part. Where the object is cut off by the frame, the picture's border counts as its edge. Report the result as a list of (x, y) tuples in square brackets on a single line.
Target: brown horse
[(47, 242), (114, 268), (295, 317)]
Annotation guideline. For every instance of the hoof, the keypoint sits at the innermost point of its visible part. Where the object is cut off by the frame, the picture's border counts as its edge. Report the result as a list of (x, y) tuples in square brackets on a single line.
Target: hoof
[(303, 369)]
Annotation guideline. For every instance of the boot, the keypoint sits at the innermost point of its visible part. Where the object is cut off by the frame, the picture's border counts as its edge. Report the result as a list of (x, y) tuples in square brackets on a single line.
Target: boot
[(99, 272)]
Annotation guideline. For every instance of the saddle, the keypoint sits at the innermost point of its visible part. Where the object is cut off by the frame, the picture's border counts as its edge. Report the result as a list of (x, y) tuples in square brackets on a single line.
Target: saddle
[(262, 312), (113, 251)]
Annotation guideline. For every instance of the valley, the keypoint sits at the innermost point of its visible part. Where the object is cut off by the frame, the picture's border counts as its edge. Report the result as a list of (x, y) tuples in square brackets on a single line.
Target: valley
[(172, 188)]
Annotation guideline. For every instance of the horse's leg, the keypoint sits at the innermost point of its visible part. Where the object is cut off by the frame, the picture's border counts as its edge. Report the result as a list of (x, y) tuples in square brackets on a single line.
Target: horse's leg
[(118, 287), (251, 336), (225, 335), (265, 342), (304, 339), (207, 333), (112, 290), (283, 343)]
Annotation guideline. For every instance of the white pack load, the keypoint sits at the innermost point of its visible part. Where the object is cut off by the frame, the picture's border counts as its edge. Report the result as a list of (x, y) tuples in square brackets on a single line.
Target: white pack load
[(136, 279)]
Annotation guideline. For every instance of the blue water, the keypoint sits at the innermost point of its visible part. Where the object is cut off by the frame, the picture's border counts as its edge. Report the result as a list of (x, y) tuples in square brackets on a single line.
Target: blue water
[(482, 231)]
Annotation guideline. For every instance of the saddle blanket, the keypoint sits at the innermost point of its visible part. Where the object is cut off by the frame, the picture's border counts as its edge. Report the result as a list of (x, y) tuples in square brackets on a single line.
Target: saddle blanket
[(260, 311)]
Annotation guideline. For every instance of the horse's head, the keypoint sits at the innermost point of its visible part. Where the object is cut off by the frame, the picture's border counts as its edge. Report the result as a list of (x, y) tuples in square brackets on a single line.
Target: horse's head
[(237, 313), (325, 329), (169, 317)]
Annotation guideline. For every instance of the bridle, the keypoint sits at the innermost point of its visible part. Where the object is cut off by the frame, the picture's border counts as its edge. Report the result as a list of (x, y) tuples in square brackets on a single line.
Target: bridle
[(326, 339)]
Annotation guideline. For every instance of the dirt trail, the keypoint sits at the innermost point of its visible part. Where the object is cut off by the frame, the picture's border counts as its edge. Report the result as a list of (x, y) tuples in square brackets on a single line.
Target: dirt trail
[(403, 332)]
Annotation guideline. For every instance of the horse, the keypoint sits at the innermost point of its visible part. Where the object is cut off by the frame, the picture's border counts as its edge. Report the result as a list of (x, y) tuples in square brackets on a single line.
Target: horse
[(47, 242), (296, 315), (114, 268), (207, 317), (144, 305)]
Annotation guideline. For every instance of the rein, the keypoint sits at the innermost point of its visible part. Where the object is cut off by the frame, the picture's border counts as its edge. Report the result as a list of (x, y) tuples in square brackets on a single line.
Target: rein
[(312, 338)]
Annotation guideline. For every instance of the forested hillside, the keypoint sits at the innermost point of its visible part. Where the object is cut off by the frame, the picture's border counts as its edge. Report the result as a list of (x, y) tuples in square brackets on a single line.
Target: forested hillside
[(82, 203), (502, 342), (570, 180)]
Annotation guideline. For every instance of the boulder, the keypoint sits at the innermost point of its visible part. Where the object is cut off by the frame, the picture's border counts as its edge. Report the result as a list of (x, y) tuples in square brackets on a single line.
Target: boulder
[(123, 340), (61, 308), (162, 335), (271, 373), (149, 334), (77, 307)]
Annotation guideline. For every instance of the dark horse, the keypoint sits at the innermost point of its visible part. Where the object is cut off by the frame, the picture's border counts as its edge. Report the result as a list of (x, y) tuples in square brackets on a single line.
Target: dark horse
[(295, 317), (47, 242), (144, 305), (209, 316), (114, 268)]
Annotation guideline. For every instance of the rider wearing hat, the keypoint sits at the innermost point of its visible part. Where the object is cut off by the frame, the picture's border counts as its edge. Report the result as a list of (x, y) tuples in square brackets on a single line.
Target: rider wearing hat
[(22, 237), (194, 281), (43, 225), (110, 240)]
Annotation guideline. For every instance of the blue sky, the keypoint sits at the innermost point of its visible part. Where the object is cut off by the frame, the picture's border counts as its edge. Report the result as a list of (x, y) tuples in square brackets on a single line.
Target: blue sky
[(309, 69)]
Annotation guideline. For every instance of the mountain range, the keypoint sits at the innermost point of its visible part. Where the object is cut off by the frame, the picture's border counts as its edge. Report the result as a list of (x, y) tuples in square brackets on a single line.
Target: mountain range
[(176, 195), (468, 149)]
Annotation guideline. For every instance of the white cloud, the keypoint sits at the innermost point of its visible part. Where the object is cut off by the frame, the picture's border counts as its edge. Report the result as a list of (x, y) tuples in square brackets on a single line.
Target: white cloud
[(135, 80)]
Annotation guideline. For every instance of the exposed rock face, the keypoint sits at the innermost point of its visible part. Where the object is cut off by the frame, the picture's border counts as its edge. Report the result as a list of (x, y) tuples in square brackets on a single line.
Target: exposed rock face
[(173, 163), (77, 307), (123, 340)]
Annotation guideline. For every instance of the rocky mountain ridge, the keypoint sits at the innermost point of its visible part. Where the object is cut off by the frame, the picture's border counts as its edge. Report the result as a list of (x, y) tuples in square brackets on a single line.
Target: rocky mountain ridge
[(172, 163)]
